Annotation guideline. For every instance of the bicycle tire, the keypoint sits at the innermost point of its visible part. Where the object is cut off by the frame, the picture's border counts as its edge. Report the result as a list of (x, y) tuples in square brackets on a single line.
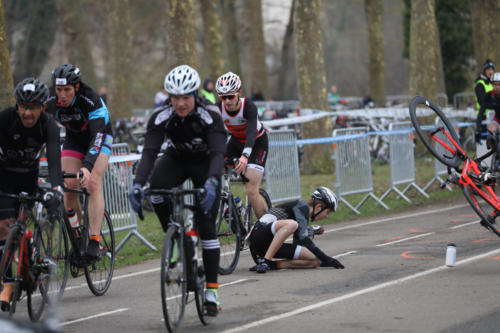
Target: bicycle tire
[(229, 235), (173, 279), (452, 161), (99, 274), (199, 294), (12, 244), (483, 209), (60, 254)]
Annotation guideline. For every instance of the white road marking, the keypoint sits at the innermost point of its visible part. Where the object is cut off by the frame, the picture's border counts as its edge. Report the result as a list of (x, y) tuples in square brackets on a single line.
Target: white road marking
[(465, 224), (220, 286), (355, 294), (93, 316), (405, 239), (345, 254)]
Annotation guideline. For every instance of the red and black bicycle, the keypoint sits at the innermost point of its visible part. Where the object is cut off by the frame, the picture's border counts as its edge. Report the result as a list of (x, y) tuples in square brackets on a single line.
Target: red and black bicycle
[(476, 180)]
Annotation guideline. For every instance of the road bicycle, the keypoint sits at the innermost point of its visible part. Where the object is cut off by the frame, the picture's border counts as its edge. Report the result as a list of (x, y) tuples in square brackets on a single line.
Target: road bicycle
[(180, 271), (477, 181), (29, 257), (234, 220), (98, 271)]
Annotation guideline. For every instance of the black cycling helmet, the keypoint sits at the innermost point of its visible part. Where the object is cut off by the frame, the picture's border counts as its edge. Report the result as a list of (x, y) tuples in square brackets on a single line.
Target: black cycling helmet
[(326, 196), (66, 74), (31, 90), (487, 64)]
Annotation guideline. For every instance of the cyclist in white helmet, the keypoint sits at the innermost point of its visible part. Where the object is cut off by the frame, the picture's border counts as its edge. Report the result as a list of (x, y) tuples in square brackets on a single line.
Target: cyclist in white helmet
[(249, 142), (196, 143), (267, 238), (491, 101)]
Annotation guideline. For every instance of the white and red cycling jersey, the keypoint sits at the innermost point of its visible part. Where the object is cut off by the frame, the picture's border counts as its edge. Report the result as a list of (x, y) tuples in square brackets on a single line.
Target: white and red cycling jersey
[(243, 124)]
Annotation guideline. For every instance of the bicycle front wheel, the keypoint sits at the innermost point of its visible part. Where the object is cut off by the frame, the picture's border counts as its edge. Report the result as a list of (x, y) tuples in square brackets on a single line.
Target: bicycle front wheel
[(173, 279), (486, 211), (9, 265), (229, 234), (440, 139), (100, 273)]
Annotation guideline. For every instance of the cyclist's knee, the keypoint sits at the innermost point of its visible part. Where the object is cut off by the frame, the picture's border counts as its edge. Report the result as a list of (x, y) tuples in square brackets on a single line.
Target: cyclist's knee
[(94, 186)]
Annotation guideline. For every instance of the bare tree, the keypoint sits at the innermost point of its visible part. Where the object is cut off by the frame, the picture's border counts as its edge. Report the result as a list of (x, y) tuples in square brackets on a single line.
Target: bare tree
[(311, 80), (376, 64), (212, 38), (485, 14), (286, 86), (76, 43), (6, 84), (254, 48), (181, 43), (120, 59), (231, 44), (423, 54)]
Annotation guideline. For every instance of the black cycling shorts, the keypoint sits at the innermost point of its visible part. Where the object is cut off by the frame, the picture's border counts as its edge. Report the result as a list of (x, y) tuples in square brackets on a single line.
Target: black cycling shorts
[(257, 158), (261, 238), (15, 183)]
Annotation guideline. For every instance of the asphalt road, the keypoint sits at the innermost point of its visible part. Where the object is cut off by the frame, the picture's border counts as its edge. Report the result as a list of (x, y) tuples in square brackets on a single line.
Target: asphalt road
[(395, 281)]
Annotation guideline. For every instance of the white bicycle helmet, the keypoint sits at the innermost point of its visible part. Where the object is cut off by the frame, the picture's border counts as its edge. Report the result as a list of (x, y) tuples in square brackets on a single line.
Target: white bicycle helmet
[(182, 80), (227, 84), (495, 77)]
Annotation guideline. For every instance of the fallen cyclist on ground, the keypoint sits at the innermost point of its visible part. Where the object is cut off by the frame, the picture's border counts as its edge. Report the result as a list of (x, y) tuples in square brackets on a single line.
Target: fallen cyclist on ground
[(267, 238)]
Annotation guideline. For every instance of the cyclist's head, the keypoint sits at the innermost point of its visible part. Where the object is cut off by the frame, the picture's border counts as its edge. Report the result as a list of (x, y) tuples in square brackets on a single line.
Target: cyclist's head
[(495, 79), (326, 198), (488, 68), (228, 84), (66, 74), (182, 80), (31, 96)]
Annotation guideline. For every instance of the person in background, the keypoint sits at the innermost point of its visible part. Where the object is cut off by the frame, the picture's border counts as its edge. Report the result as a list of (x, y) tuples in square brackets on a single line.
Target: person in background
[(160, 97), (257, 95), (208, 92), (333, 96), (103, 93)]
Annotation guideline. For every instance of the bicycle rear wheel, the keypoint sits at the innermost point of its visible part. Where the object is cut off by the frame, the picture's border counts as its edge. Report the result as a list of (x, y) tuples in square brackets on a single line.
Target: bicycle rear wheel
[(100, 273), (449, 155), (58, 237), (486, 211), (173, 279), (199, 295), (9, 265), (229, 234)]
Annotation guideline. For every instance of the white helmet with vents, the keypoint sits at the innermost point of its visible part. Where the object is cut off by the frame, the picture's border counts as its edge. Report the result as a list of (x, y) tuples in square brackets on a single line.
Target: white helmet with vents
[(182, 80), (227, 84)]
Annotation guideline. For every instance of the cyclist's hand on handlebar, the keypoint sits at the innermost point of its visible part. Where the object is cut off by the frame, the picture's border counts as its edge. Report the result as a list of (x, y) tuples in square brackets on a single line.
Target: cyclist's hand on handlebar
[(84, 176), (136, 195), (210, 193), (242, 164)]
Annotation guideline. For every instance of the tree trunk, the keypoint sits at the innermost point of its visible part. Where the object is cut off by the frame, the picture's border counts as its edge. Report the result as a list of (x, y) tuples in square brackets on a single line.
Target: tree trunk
[(181, 42), (76, 43), (38, 39), (120, 60), (440, 84), (312, 81), (483, 13), (6, 84), (231, 37), (423, 68), (254, 52), (212, 38), (373, 12), (287, 60)]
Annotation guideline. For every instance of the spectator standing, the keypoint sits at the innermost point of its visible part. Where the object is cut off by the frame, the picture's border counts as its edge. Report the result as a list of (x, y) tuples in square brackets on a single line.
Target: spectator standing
[(208, 91)]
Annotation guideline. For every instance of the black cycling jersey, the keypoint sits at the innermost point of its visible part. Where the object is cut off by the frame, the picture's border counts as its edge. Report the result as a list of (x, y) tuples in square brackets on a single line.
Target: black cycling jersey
[(86, 120), (490, 101), (200, 134), (296, 210), (21, 147)]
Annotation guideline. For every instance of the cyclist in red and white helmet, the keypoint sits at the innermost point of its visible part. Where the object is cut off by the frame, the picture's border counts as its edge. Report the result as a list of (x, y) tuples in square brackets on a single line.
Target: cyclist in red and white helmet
[(249, 142)]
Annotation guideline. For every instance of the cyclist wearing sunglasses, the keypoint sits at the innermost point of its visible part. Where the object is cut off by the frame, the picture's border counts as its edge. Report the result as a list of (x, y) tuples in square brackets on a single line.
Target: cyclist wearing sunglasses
[(249, 142), (25, 130)]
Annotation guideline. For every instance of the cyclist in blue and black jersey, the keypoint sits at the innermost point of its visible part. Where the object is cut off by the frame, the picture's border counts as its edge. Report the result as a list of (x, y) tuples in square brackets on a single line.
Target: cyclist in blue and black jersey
[(88, 142), (270, 232), (25, 131)]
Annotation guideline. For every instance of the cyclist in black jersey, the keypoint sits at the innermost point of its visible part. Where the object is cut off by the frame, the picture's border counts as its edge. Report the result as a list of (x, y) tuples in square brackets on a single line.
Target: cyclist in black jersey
[(249, 142), (25, 131), (196, 143), (270, 232), (88, 143)]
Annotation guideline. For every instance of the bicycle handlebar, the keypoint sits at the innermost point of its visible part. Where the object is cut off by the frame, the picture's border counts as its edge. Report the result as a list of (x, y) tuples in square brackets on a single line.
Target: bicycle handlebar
[(230, 164)]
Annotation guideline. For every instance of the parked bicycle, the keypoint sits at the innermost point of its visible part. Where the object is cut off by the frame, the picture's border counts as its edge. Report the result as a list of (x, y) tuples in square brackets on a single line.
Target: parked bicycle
[(180, 271), (29, 255), (234, 219), (98, 272), (477, 181)]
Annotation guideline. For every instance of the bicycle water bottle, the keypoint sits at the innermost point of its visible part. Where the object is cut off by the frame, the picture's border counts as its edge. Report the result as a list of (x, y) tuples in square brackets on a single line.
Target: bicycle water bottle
[(73, 220), (238, 202), (451, 255)]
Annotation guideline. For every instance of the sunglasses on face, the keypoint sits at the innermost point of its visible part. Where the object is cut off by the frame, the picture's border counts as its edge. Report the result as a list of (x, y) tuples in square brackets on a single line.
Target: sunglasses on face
[(228, 97)]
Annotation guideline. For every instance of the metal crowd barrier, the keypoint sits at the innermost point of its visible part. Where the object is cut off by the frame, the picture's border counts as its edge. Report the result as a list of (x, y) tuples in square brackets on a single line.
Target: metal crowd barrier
[(117, 182), (282, 167), (462, 101), (402, 160), (353, 166)]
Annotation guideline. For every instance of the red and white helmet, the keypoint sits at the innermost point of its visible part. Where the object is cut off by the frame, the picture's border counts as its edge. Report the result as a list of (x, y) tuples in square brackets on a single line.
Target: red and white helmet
[(228, 84)]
